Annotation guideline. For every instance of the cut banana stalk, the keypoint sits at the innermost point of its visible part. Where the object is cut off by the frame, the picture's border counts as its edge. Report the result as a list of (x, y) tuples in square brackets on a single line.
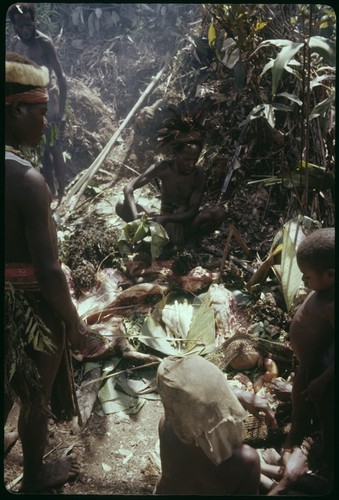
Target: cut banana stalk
[(177, 318)]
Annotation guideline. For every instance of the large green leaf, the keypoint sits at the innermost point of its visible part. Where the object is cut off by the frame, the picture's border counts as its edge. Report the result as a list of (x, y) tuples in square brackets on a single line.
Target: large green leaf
[(143, 230), (323, 80), (256, 112), (159, 238), (294, 232), (269, 114), (154, 335), (201, 334), (267, 66), (278, 43), (281, 61), (114, 401), (324, 47), (322, 108), (291, 97)]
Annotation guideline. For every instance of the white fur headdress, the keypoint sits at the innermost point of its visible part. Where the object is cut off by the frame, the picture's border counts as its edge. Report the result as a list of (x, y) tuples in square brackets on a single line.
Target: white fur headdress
[(26, 74)]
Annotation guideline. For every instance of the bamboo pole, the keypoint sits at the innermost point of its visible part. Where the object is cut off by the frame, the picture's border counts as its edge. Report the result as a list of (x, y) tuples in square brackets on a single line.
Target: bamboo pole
[(77, 190)]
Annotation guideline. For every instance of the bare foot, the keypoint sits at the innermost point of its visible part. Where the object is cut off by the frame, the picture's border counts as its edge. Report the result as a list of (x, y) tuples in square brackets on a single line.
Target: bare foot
[(271, 471), (271, 456), (295, 467), (52, 474), (10, 438)]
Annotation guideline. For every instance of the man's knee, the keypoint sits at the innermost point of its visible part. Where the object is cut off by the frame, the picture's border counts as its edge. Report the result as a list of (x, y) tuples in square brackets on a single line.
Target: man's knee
[(218, 213), (210, 218), (119, 208), (122, 211)]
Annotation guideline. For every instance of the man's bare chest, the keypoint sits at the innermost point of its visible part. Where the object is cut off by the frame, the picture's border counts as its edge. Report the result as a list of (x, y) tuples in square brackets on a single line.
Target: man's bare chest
[(33, 51), (179, 186)]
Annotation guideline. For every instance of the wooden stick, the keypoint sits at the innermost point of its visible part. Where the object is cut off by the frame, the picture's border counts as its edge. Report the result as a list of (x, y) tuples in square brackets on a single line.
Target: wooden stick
[(110, 375), (241, 242), (77, 190), (226, 249)]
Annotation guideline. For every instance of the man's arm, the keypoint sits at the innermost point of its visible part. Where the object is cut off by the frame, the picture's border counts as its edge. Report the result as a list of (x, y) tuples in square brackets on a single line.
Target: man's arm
[(151, 173), (42, 241), (317, 386), (55, 64), (257, 406), (11, 43)]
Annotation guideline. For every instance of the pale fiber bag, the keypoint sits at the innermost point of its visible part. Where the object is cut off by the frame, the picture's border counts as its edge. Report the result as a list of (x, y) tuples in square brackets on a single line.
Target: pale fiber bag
[(200, 405)]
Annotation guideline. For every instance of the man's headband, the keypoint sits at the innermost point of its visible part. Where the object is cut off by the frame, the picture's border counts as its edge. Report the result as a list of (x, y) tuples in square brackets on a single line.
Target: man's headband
[(28, 75)]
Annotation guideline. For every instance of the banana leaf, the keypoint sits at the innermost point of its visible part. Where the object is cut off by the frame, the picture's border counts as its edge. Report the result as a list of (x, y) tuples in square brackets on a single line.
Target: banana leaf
[(294, 232), (201, 335), (285, 245)]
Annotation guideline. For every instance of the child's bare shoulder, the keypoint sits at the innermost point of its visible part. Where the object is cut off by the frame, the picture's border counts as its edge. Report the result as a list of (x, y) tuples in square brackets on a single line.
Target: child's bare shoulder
[(319, 301)]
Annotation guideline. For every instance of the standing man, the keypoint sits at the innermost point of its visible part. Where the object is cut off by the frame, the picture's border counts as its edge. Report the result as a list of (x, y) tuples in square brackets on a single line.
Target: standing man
[(42, 327), (40, 48)]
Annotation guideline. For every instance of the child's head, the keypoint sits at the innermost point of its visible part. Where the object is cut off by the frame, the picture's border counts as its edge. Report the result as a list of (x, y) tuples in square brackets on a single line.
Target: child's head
[(200, 406), (315, 257)]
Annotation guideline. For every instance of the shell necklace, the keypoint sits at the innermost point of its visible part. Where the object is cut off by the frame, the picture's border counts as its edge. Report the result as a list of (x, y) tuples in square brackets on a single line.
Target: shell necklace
[(10, 149)]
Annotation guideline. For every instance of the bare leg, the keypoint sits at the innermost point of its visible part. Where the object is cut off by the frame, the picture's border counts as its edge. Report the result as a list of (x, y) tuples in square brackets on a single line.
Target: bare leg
[(10, 436), (59, 169), (47, 170), (208, 220), (33, 423), (302, 410)]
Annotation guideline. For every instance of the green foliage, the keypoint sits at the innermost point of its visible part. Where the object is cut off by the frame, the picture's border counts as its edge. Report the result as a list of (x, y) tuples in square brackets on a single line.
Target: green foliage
[(285, 58), (291, 277), (302, 67), (23, 328), (143, 229), (242, 22)]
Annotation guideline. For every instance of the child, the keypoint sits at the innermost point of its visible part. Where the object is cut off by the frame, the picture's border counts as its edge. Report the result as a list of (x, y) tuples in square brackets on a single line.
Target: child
[(312, 341), (201, 433)]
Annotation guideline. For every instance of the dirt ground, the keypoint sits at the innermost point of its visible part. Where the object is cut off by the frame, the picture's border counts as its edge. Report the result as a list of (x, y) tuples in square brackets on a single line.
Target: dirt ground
[(118, 455)]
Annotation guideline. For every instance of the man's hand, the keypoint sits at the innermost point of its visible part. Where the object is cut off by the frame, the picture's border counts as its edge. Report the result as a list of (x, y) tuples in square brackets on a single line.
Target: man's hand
[(282, 390), (94, 346), (77, 336), (293, 465), (257, 406), (159, 219)]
